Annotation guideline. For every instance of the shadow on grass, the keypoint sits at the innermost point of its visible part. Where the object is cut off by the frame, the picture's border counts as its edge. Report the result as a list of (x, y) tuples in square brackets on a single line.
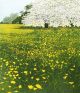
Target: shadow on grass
[(29, 27)]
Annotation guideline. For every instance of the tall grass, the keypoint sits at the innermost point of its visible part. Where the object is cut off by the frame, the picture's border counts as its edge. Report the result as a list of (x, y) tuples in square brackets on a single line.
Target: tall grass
[(37, 60)]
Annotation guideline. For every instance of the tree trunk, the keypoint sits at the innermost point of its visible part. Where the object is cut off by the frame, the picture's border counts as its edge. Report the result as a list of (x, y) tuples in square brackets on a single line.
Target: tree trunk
[(46, 25)]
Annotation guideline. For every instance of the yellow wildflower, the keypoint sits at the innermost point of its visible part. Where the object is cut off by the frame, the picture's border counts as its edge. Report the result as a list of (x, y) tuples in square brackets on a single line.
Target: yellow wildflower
[(37, 79), (34, 88), (44, 77), (7, 63), (32, 77), (43, 70), (4, 78), (30, 86), (14, 62), (9, 86), (20, 86), (9, 92), (71, 83), (26, 72), (72, 69), (17, 75), (13, 82), (2, 88), (35, 68), (64, 77), (38, 86), (16, 91)]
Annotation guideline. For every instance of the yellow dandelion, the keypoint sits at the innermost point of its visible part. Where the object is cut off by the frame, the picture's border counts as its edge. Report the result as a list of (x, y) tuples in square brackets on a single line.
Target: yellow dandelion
[(35, 68), (72, 69), (17, 75), (20, 86), (74, 66), (37, 79), (2, 88), (38, 86), (65, 77), (11, 69), (71, 83), (32, 53), (44, 77), (13, 82), (4, 60), (57, 61), (30, 86), (4, 78), (9, 86), (43, 70), (7, 63), (10, 75), (34, 89), (15, 71), (1, 58), (16, 91), (66, 74), (9, 72), (9, 92), (62, 62), (14, 62), (32, 77), (26, 72), (30, 72)]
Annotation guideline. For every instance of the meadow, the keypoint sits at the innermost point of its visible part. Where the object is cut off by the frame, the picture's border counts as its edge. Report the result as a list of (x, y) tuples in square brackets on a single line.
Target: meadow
[(39, 60)]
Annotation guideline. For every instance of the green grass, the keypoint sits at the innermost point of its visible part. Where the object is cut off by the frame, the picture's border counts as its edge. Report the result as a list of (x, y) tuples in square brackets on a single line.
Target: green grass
[(37, 60)]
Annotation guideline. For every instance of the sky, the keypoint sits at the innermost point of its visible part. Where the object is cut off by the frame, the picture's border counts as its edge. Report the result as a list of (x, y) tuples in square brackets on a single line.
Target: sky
[(11, 6)]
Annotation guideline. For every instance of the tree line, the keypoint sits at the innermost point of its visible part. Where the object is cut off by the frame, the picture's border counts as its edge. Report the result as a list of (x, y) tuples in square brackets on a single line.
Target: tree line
[(16, 18)]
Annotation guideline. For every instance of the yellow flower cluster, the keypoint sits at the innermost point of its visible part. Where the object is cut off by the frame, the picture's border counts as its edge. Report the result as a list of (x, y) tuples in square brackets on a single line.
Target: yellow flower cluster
[(35, 87)]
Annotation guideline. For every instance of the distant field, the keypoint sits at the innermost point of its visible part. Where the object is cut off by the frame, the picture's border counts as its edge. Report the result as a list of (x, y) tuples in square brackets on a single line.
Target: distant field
[(37, 60)]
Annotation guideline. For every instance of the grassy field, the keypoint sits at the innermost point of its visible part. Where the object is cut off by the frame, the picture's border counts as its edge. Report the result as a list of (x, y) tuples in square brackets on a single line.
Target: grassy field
[(37, 60)]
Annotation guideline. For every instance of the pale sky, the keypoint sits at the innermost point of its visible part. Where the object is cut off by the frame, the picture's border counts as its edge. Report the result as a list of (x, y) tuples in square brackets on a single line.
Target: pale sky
[(11, 6)]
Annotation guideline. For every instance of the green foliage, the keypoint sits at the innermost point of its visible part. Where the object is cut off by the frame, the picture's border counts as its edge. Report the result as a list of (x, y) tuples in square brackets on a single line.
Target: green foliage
[(18, 19), (8, 20), (27, 7)]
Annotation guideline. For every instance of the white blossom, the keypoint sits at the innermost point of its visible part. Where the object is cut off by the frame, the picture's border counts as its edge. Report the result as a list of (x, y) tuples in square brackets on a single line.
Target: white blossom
[(53, 12)]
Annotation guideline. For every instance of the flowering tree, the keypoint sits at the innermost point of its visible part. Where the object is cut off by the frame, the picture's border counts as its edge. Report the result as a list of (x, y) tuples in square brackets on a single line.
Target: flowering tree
[(53, 13)]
